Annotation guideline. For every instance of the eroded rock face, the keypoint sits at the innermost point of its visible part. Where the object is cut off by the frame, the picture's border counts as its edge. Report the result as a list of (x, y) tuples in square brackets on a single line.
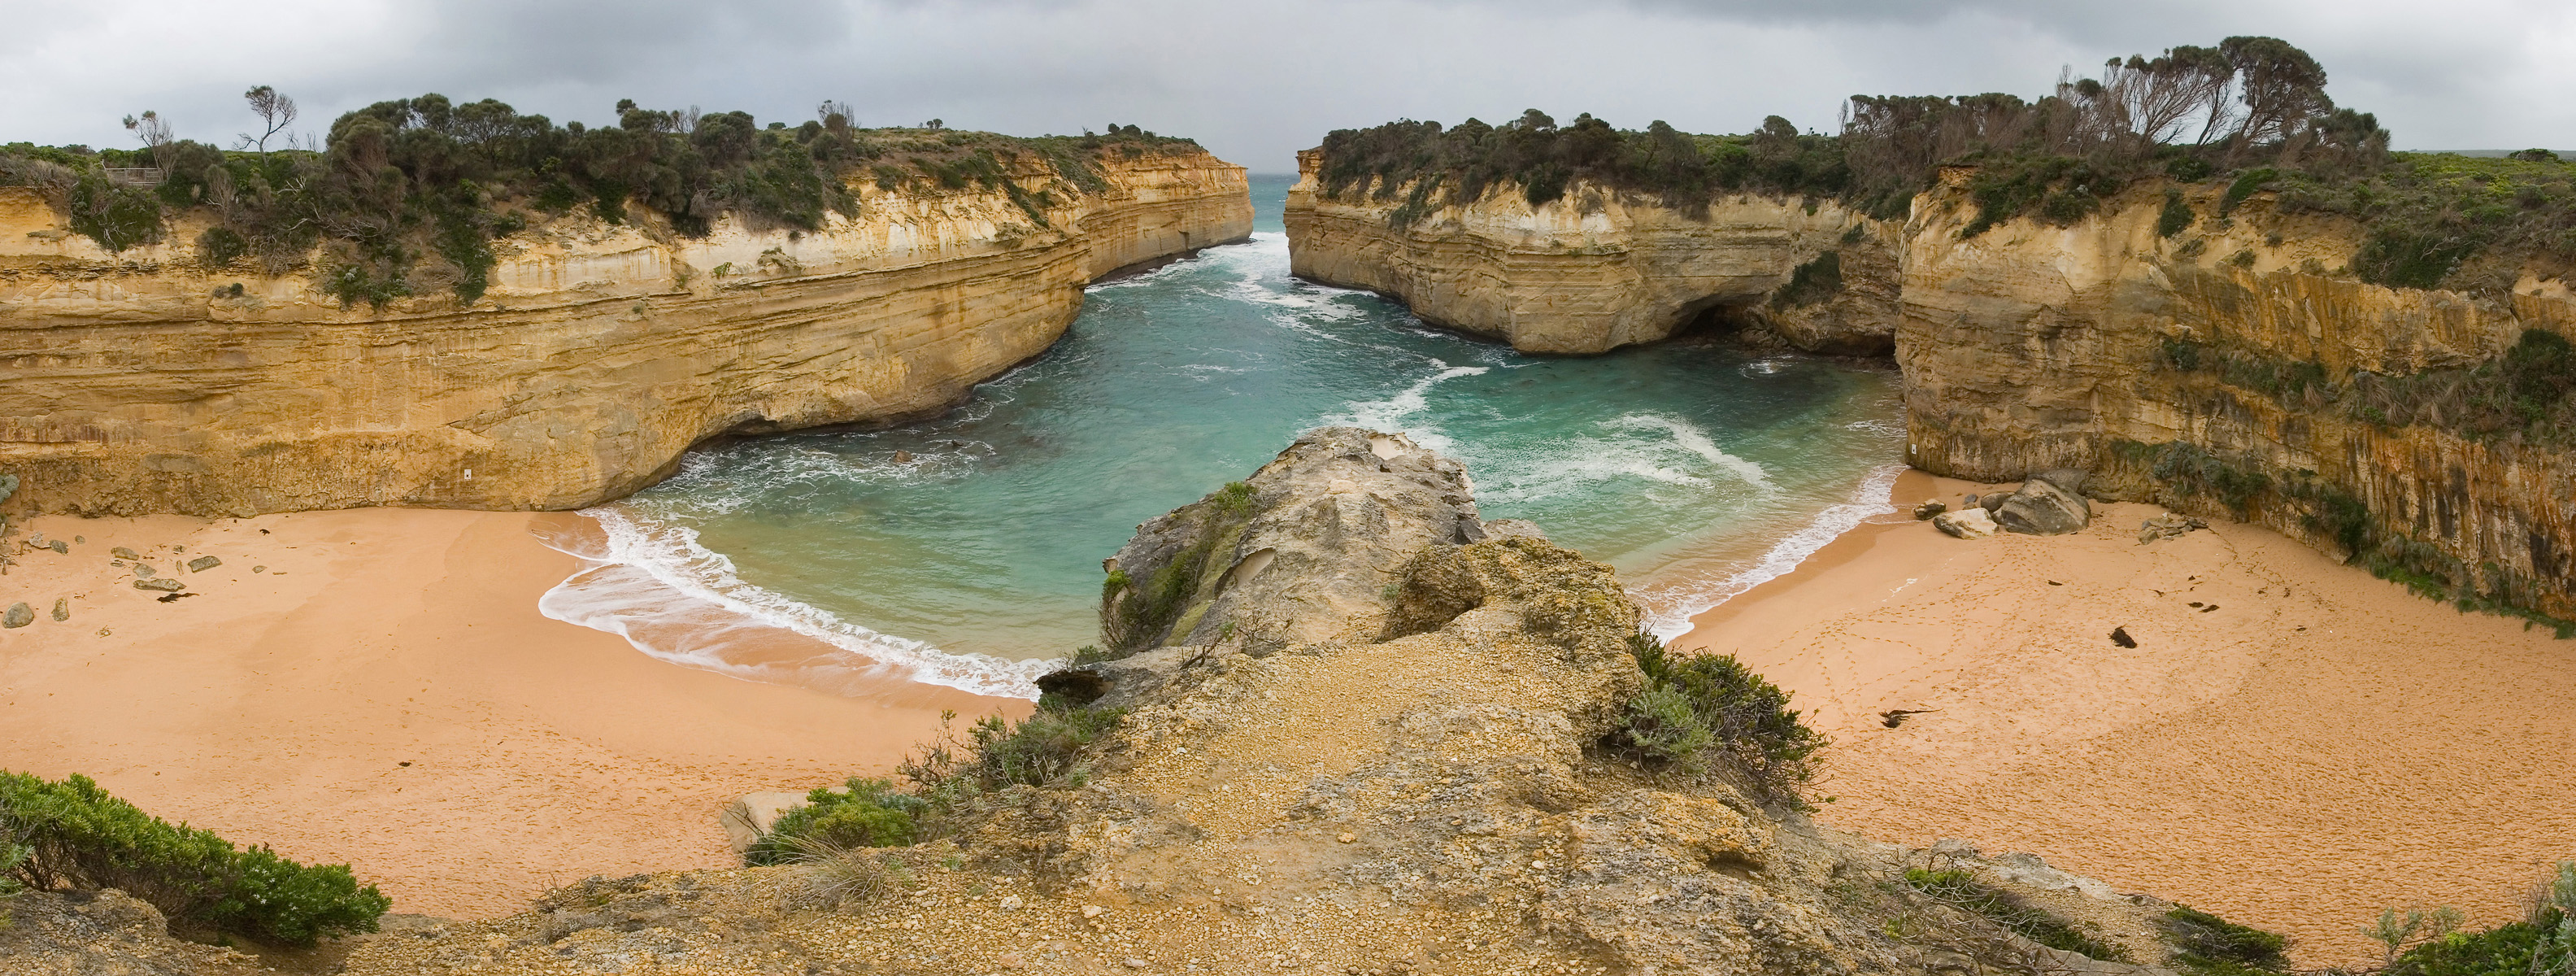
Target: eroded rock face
[(141, 383), (2031, 347), (1598, 270), (1305, 551)]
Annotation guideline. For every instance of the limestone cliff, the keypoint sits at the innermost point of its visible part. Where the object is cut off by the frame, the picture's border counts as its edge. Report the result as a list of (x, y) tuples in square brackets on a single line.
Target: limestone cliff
[(2215, 370), (2212, 370), (1598, 269), (142, 382)]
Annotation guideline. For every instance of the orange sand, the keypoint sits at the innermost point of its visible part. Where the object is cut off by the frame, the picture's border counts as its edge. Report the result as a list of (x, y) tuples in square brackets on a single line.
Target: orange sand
[(2321, 746), (280, 708)]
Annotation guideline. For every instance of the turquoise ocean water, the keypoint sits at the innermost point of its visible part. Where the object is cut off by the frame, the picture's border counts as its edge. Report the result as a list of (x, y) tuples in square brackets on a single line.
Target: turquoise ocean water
[(1694, 468)]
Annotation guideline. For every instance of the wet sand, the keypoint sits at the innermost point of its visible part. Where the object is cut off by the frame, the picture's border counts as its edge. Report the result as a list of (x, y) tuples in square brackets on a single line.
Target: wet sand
[(388, 695), (2319, 746)]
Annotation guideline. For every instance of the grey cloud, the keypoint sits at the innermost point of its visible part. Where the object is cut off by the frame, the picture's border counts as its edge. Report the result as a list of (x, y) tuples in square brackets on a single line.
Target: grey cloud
[(1254, 80)]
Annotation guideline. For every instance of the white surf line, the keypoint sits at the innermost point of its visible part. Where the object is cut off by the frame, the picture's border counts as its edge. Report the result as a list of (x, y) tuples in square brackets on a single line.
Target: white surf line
[(1867, 500), (674, 559)]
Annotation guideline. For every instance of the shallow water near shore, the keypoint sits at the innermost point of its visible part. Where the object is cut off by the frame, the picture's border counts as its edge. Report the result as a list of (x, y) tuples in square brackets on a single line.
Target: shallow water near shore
[(1696, 469)]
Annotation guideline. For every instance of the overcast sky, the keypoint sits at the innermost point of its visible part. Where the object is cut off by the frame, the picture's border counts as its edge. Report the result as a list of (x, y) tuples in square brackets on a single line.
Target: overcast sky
[(1254, 80)]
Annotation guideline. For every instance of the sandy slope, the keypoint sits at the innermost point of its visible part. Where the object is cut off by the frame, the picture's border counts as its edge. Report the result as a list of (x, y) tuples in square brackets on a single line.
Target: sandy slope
[(282, 707), (2320, 745)]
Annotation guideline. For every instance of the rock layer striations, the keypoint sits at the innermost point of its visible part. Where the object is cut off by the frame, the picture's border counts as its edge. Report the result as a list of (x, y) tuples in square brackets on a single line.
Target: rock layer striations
[(2221, 369), (143, 382), (1598, 269)]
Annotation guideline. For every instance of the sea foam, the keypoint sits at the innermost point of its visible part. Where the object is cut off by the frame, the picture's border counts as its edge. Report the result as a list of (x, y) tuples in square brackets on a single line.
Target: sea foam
[(1670, 605), (680, 602)]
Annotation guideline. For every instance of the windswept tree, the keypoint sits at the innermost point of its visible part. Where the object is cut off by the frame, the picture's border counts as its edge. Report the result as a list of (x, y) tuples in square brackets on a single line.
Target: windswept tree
[(154, 132), (276, 111)]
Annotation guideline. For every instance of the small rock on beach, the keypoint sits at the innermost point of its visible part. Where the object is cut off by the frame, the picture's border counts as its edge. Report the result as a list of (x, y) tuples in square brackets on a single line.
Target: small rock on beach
[(1971, 524)]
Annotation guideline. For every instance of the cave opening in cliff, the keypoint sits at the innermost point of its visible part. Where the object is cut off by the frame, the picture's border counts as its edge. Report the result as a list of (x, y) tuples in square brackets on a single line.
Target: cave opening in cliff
[(1719, 316)]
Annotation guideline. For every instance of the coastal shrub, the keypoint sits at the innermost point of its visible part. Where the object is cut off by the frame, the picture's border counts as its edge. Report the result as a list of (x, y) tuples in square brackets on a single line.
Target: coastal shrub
[(2528, 395), (2191, 471), (76, 836), (951, 774), (2207, 945), (2058, 189), (1960, 889), (1812, 282), (1709, 713), (117, 217), (2176, 217), (866, 813), (2244, 187)]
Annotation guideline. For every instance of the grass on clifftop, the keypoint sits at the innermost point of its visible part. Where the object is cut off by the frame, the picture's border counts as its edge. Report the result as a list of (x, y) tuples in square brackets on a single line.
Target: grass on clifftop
[(406, 196)]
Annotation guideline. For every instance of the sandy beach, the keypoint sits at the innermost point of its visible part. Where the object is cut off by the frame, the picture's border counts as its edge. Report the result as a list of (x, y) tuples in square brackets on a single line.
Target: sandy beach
[(2293, 743), (386, 694)]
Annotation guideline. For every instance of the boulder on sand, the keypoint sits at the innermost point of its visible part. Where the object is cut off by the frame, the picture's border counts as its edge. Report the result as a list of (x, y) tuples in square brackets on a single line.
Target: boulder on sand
[(1928, 509), (1973, 523), (19, 615), (2167, 526), (164, 585), (2049, 503), (203, 563)]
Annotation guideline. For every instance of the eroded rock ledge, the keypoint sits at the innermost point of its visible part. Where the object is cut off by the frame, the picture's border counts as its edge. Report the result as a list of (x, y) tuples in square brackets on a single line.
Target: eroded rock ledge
[(141, 383), (1597, 270)]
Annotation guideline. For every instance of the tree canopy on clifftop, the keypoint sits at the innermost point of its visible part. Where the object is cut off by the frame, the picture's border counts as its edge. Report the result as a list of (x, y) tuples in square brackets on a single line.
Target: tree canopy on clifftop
[(2249, 110), (405, 196)]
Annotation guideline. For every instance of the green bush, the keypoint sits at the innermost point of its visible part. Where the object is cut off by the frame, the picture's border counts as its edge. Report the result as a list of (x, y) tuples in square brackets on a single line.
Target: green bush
[(1961, 889), (2176, 216), (870, 813), (2251, 182), (76, 836), (1705, 712), (1812, 282), (2207, 945), (2513, 949), (2059, 189), (116, 217), (2411, 256)]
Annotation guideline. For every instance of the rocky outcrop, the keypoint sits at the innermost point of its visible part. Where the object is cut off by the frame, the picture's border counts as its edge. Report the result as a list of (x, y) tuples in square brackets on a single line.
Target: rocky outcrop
[(104, 933), (1600, 269), (2213, 371), (2049, 503), (1299, 553), (1378, 754), (142, 382)]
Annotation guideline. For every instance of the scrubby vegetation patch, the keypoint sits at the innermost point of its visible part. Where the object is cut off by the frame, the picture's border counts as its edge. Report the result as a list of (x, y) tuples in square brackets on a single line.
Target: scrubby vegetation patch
[(72, 835), (1709, 714)]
